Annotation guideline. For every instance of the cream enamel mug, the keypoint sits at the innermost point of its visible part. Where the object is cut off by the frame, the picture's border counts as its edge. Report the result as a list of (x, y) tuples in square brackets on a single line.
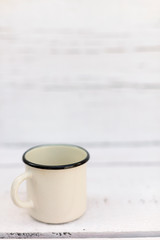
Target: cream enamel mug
[(56, 183)]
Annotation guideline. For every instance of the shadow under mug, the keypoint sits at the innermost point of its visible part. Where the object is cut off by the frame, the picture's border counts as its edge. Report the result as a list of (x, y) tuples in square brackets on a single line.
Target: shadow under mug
[(56, 182)]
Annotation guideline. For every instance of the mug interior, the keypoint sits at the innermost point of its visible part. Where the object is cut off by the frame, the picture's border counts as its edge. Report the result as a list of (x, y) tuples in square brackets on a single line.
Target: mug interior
[(55, 156)]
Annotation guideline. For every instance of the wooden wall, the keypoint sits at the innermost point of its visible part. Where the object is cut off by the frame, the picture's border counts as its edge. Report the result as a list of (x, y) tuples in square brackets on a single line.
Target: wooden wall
[(84, 72)]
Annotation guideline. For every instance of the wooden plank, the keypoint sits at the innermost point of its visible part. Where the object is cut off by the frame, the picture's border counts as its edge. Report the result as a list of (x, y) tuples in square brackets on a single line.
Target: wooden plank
[(51, 42), (85, 81), (120, 200), (80, 116), (112, 55), (122, 14), (43, 66)]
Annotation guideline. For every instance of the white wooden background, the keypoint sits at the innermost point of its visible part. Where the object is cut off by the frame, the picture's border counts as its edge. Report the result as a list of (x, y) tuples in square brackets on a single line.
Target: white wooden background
[(88, 73)]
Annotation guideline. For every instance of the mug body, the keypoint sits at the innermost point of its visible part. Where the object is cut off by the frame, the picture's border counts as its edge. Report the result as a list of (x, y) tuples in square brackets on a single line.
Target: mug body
[(58, 196), (57, 182)]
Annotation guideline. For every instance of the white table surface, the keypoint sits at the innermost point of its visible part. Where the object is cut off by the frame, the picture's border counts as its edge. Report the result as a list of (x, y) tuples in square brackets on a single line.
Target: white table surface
[(123, 201)]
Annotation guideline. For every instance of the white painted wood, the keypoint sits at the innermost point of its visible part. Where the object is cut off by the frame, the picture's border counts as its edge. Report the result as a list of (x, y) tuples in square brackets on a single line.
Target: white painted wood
[(76, 61), (79, 71), (121, 199), (117, 15), (80, 117)]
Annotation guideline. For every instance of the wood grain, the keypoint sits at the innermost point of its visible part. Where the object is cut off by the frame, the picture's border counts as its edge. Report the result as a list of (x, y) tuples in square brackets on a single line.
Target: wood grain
[(79, 72), (83, 15)]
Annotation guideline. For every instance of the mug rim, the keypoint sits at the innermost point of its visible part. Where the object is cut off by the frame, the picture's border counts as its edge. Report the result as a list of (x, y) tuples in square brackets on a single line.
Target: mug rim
[(55, 167)]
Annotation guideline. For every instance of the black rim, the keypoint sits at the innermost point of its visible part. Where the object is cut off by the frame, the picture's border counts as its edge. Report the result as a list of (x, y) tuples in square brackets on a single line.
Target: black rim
[(35, 165)]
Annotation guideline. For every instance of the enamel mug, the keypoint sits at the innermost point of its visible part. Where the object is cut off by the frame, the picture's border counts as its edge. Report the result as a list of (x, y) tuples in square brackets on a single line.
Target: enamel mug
[(56, 183)]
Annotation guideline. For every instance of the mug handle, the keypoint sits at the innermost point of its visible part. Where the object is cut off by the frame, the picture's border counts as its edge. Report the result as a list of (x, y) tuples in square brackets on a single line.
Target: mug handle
[(14, 191)]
